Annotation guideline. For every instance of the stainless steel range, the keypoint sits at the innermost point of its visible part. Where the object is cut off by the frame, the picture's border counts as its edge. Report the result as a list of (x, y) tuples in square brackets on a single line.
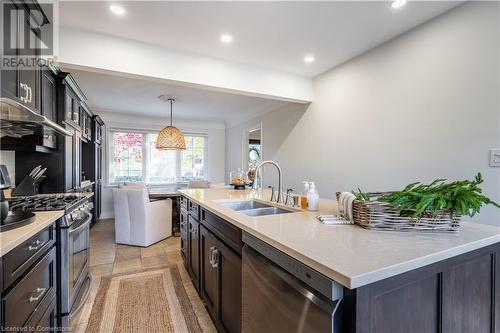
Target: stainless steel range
[(73, 250)]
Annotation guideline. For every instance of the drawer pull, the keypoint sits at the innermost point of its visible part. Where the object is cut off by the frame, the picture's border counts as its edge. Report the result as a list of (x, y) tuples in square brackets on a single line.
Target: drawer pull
[(38, 294), (211, 256), (36, 245), (215, 258)]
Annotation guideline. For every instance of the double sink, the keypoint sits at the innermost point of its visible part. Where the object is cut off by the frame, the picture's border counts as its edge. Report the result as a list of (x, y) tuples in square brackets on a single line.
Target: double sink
[(255, 208)]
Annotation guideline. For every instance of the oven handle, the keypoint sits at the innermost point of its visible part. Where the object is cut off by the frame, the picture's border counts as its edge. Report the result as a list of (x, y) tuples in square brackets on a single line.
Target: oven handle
[(82, 226), (84, 299)]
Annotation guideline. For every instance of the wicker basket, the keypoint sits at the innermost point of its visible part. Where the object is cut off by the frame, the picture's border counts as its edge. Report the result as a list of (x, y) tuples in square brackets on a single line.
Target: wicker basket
[(381, 216)]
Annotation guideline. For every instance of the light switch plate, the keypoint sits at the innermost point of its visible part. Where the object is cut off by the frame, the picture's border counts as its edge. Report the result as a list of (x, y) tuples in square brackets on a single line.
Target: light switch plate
[(495, 157)]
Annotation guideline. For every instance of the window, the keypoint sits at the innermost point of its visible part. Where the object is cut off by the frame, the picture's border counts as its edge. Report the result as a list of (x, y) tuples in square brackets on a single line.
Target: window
[(193, 159), (133, 157), (126, 163)]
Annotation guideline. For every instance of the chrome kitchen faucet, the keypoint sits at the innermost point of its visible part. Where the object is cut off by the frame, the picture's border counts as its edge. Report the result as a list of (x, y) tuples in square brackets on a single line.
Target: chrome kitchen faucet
[(279, 197)]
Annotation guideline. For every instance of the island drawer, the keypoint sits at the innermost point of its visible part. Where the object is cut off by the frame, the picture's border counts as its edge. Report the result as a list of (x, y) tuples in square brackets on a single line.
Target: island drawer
[(184, 203), (194, 210), (17, 261), (183, 220), (230, 234), (33, 294)]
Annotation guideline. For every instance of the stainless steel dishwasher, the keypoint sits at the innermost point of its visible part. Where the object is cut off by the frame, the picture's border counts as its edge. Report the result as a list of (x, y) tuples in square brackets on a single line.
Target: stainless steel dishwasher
[(281, 294)]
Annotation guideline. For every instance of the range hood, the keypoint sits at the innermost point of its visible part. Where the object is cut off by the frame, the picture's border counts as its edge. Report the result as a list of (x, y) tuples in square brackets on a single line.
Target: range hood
[(16, 120)]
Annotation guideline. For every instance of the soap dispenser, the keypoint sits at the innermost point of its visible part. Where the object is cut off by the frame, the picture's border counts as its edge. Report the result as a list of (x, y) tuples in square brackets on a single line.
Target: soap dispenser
[(312, 198), (303, 196)]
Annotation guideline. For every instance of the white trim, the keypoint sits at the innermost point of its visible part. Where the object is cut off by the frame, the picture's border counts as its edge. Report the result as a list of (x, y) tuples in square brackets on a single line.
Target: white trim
[(244, 144), (145, 155)]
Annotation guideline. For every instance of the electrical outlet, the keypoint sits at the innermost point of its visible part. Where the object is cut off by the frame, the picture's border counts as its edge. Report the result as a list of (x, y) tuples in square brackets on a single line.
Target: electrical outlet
[(495, 157)]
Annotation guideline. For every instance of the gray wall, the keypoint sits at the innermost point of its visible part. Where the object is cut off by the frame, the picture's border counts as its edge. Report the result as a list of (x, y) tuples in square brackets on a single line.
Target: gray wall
[(422, 106)]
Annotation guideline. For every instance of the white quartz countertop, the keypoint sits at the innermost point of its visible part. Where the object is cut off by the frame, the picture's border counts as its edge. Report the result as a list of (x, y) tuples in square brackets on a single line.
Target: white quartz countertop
[(10, 239), (348, 254)]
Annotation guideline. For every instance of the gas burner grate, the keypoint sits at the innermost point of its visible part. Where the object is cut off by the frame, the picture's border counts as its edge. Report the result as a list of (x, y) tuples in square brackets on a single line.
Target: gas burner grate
[(43, 202)]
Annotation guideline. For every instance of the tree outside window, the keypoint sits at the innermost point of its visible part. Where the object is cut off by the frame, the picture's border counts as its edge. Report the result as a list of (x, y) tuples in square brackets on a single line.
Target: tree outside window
[(133, 157)]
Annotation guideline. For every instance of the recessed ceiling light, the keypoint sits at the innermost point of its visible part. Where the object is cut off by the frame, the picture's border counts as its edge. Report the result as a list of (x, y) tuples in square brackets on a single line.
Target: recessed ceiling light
[(226, 38), (398, 3), (309, 59), (117, 10)]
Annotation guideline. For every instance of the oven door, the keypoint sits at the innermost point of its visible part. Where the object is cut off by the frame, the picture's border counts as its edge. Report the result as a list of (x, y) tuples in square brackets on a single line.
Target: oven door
[(79, 255)]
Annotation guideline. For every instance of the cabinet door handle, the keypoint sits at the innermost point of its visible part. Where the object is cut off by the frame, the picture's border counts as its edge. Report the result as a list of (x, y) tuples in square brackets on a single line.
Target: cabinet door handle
[(24, 98), (30, 94), (36, 295), (211, 256), (36, 245), (215, 260)]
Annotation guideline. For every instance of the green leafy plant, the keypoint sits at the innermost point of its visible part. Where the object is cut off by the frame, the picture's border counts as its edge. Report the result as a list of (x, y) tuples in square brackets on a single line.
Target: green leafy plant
[(360, 195), (458, 198)]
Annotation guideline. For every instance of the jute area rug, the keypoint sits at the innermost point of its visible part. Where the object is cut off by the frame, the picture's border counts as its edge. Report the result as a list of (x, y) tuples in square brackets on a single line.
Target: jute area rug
[(160, 299)]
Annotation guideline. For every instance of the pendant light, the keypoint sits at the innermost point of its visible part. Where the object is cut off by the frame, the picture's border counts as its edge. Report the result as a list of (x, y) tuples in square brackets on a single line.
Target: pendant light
[(170, 137)]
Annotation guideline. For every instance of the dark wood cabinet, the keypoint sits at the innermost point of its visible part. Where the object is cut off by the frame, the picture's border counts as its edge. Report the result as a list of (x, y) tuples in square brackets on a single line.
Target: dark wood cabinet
[(208, 273), (183, 226), (459, 294), (68, 161), (10, 77), (28, 293), (98, 129), (214, 264), (46, 321), (71, 108), (220, 284), (23, 82), (77, 160), (48, 95), (86, 122), (70, 99), (92, 156), (98, 180), (228, 264), (17, 261), (194, 250)]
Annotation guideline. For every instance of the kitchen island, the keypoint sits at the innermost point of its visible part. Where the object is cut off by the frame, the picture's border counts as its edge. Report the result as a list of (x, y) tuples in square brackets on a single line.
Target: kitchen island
[(391, 281)]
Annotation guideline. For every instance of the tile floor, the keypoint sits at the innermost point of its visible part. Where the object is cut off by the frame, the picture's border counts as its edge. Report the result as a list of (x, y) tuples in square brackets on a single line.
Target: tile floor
[(106, 257)]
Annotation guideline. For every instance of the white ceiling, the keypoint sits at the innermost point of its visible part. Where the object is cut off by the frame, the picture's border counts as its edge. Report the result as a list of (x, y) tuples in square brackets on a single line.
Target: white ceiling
[(140, 97), (275, 35)]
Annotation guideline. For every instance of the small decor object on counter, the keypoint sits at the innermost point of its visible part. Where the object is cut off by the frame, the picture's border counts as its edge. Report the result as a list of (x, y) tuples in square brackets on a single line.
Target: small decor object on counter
[(345, 203), (251, 176), (333, 220), (312, 198), (238, 180), (303, 197), (29, 185), (434, 207)]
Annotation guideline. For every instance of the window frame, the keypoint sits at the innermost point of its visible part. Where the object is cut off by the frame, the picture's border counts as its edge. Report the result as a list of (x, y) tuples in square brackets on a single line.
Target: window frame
[(145, 156)]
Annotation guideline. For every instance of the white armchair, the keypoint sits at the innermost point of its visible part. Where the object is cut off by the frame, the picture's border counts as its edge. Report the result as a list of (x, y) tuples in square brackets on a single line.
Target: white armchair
[(138, 221)]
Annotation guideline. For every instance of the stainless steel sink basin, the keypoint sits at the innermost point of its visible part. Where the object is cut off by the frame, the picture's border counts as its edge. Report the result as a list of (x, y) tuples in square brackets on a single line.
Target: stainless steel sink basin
[(265, 211), (245, 205), (254, 208)]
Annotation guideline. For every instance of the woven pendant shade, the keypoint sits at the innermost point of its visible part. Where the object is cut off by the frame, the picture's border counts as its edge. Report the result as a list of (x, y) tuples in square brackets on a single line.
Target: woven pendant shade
[(170, 138)]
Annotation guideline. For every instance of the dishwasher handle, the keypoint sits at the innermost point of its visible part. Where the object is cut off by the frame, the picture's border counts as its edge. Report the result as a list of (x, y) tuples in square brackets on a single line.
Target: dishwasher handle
[(327, 305)]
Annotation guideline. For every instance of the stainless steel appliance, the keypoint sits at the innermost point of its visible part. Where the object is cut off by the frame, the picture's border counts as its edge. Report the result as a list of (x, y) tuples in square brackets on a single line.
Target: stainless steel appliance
[(74, 253), (17, 120), (281, 294), (73, 250)]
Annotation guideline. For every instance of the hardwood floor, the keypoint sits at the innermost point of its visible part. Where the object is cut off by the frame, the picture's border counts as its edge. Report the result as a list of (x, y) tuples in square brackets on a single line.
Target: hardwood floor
[(106, 257)]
